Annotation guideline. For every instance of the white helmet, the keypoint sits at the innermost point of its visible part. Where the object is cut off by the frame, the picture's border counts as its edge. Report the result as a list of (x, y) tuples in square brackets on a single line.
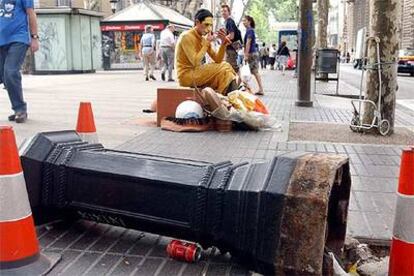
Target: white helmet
[(189, 109)]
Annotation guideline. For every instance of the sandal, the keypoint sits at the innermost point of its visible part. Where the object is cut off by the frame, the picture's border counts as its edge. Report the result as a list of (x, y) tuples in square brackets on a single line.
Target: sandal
[(259, 93)]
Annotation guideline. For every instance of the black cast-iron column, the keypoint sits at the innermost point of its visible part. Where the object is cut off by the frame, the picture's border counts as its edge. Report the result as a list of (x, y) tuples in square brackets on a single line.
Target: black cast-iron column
[(276, 216)]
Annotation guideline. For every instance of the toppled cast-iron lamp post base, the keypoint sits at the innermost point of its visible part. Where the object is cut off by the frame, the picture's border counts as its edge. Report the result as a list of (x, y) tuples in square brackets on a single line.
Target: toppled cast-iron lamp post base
[(277, 216)]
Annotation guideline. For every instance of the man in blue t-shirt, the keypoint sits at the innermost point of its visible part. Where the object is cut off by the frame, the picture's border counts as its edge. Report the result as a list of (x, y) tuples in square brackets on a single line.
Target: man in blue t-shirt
[(18, 32), (234, 34)]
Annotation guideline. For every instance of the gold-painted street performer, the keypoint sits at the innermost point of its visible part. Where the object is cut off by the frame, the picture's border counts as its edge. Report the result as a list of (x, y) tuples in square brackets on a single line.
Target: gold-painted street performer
[(190, 51)]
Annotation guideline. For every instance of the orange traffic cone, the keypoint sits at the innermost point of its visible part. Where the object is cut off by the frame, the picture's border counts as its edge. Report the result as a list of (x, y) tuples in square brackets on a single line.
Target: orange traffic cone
[(86, 123), (19, 248), (402, 248)]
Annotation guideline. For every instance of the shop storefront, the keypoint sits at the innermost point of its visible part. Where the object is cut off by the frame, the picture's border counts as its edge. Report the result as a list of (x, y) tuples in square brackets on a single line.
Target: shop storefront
[(122, 32)]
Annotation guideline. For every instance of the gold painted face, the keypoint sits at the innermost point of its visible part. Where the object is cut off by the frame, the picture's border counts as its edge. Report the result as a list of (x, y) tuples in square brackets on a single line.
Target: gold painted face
[(207, 25)]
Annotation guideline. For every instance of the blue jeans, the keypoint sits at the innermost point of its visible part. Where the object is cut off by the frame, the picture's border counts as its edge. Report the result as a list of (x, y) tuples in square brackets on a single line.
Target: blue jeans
[(11, 60)]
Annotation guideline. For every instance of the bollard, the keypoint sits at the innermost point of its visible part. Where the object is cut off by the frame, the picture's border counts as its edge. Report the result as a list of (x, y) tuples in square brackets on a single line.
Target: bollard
[(276, 217)]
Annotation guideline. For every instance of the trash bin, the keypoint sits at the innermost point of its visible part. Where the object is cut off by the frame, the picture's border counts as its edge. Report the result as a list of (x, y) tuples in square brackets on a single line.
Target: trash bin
[(327, 60)]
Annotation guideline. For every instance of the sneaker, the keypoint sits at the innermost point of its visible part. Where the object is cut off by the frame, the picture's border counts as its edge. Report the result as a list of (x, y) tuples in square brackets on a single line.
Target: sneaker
[(21, 117), (146, 79), (163, 76), (171, 79), (12, 117), (152, 77)]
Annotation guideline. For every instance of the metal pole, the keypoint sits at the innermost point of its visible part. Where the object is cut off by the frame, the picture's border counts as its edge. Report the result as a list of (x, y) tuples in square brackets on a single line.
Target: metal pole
[(305, 53)]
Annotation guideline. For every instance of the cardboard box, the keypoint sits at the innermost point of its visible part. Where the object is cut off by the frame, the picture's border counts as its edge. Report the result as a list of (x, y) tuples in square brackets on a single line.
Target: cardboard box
[(169, 98)]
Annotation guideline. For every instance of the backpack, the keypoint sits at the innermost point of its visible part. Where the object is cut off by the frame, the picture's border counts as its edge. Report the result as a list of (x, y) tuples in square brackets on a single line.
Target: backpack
[(237, 33)]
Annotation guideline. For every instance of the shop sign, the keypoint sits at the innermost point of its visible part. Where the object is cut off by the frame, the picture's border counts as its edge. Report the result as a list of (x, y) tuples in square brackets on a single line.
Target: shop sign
[(131, 27)]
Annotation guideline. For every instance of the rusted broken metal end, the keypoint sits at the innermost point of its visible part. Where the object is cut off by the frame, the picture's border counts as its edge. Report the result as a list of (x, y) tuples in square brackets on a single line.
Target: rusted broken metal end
[(314, 215)]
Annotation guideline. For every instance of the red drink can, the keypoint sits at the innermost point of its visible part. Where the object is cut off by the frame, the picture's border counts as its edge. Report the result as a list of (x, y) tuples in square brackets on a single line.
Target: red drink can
[(184, 251)]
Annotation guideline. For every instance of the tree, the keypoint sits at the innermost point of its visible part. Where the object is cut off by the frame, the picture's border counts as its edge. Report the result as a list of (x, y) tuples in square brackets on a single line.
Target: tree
[(245, 4), (322, 40), (384, 24), (284, 10), (258, 10), (323, 9)]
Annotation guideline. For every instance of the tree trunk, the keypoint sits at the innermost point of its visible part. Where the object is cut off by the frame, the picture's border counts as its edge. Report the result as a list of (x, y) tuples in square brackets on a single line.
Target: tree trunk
[(323, 9), (322, 42), (305, 53), (384, 24)]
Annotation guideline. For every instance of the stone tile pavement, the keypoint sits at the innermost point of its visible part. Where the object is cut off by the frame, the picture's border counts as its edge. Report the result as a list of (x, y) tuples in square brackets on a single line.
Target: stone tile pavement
[(97, 249), (89, 248), (374, 168)]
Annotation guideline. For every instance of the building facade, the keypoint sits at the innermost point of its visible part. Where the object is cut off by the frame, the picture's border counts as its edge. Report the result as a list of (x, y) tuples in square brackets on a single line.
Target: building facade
[(103, 6), (407, 25), (357, 16), (335, 24), (185, 7)]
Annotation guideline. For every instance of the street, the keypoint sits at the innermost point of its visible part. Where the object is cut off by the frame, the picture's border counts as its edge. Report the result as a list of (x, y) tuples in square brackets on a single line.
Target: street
[(353, 77)]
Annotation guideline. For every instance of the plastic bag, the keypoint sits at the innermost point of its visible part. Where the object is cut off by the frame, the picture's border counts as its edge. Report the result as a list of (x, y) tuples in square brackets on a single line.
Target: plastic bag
[(259, 106), (254, 120), (247, 77), (290, 64), (245, 101), (245, 73), (223, 113), (238, 102)]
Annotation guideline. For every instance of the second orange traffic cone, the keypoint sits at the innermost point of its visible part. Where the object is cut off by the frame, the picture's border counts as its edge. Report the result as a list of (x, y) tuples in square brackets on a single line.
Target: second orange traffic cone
[(19, 248), (86, 123), (402, 248)]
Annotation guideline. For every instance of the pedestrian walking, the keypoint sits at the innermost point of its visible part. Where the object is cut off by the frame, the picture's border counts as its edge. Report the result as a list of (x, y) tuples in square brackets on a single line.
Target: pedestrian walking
[(251, 54), (167, 47), (272, 56), (148, 52), (264, 53), (18, 32), (234, 34), (282, 56)]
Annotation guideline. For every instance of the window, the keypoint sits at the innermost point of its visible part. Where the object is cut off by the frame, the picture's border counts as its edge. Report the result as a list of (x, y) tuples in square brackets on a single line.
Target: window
[(63, 3)]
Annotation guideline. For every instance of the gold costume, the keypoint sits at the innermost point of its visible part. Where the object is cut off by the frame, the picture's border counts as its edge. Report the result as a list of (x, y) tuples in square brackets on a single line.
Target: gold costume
[(190, 50)]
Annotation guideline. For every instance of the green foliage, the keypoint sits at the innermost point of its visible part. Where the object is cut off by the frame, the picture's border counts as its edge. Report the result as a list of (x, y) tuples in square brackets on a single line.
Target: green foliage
[(261, 10), (285, 10), (258, 10)]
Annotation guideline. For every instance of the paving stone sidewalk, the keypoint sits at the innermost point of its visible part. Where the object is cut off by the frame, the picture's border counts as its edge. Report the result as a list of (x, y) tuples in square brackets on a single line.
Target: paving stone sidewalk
[(96, 249)]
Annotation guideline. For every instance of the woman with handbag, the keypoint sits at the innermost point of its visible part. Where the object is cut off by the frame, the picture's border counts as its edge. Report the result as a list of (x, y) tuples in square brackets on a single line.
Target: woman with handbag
[(251, 54), (282, 56)]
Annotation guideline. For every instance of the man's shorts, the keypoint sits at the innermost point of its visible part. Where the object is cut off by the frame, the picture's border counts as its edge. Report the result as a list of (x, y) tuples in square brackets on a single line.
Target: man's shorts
[(253, 61), (231, 57)]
